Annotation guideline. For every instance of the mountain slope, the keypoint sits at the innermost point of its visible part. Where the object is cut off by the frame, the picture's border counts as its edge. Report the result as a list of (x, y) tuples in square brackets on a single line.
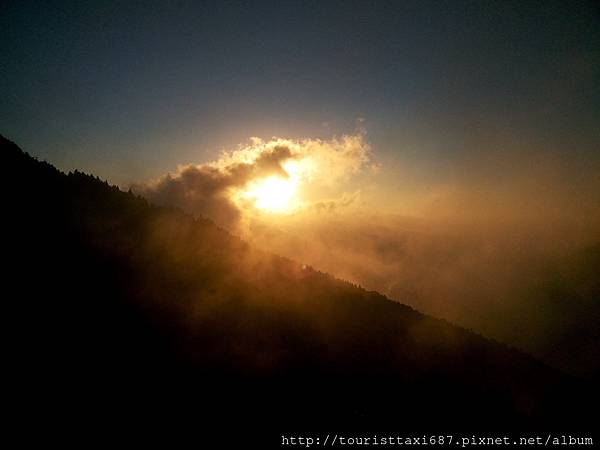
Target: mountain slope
[(117, 305)]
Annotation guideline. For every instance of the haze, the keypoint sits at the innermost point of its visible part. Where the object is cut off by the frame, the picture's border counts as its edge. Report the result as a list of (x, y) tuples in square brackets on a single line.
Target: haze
[(445, 154)]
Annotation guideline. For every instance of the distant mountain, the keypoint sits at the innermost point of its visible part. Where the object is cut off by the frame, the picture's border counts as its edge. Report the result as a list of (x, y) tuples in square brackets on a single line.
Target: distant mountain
[(121, 313)]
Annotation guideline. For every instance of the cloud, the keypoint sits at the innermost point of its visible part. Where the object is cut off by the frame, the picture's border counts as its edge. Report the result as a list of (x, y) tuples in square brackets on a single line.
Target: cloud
[(505, 238), (540, 282), (333, 205), (211, 189)]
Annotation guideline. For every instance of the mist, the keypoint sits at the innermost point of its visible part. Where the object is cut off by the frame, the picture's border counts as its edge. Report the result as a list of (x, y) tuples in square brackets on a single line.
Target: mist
[(510, 248), (520, 286)]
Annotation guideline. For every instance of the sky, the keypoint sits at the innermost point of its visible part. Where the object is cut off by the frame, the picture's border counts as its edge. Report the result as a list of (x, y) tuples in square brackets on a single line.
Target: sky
[(446, 154), (129, 90)]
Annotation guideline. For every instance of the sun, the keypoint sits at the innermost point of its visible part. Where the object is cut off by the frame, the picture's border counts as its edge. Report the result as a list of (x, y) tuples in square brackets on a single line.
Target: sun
[(275, 193), (272, 194)]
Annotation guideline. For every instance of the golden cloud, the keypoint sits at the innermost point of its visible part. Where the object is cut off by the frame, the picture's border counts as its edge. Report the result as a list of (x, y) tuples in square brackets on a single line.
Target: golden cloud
[(216, 189)]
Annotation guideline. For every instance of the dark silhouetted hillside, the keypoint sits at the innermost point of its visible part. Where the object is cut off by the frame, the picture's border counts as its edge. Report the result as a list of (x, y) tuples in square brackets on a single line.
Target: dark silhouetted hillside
[(123, 314)]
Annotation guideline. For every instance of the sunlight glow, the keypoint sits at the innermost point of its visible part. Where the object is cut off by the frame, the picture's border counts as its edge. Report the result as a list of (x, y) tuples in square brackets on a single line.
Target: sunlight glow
[(274, 193)]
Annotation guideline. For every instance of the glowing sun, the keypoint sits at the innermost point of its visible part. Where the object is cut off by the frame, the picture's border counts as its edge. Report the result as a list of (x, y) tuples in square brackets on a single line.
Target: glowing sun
[(272, 194), (275, 193)]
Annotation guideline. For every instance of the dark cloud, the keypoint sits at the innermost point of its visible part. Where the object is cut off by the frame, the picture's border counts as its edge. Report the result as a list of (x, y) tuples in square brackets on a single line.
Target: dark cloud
[(205, 189), (333, 205), (210, 189)]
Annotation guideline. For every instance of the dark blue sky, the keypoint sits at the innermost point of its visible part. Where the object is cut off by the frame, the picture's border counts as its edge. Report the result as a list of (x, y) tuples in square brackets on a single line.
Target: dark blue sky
[(129, 90)]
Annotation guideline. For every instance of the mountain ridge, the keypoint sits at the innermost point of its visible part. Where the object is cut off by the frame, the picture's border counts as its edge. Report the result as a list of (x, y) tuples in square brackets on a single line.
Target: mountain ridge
[(149, 299)]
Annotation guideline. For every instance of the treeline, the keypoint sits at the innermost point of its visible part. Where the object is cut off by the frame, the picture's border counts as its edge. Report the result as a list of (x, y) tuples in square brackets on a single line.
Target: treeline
[(117, 305)]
